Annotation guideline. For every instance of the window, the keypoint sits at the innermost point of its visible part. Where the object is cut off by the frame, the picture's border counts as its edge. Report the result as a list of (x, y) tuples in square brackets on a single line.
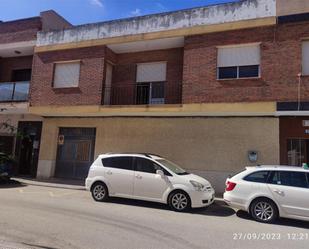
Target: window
[(238, 61), (21, 75), (150, 78), (305, 58), (296, 150), (227, 72), (148, 166), (150, 93), (66, 74), (289, 178), (173, 167), (248, 71), (260, 176), (118, 162), (7, 144)]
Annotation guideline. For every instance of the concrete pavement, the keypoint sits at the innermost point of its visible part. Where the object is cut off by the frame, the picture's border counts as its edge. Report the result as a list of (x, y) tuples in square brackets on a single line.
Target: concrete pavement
[(45, 217)]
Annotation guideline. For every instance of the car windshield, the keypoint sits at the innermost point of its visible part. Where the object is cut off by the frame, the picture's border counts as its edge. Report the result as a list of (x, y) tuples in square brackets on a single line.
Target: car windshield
[(173, 167)]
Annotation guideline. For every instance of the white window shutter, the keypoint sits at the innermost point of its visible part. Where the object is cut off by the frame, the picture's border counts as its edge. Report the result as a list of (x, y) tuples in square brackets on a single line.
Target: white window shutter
[(66, 75), (246, 55), (151, 72), (305, 58)]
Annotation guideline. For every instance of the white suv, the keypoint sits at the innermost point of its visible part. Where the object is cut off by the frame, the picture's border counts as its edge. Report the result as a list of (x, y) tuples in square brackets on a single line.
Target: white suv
[(147, 177), (269, 192)]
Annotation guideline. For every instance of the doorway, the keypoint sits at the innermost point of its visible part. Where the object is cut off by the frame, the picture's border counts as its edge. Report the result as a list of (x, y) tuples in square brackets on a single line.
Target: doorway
[(75, 152), (28, 147)]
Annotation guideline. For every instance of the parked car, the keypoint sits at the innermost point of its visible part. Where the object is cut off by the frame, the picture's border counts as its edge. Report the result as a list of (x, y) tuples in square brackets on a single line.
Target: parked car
[(270, 192), (6, 167), (147, 177)]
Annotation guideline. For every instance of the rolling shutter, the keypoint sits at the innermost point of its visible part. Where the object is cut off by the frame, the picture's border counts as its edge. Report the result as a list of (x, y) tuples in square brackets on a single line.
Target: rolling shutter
[(151, 72), (244, 55), (66, 74)]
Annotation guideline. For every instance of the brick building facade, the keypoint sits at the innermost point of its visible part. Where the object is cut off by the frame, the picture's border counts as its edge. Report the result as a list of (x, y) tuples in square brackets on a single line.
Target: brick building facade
[(202, 90), (19, 130), (277, 82)]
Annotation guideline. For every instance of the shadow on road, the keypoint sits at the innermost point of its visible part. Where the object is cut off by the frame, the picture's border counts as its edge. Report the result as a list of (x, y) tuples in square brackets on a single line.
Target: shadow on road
[(12, 184), (280, 222), (217, 209)]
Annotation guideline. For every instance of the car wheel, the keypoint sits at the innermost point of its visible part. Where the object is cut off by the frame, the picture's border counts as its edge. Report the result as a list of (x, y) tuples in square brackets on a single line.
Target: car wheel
[(264, 210), (179, 201), (99, 191)]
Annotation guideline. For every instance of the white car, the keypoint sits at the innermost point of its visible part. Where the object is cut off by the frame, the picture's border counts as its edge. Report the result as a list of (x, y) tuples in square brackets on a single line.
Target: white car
[(147, 177), (270, 192)]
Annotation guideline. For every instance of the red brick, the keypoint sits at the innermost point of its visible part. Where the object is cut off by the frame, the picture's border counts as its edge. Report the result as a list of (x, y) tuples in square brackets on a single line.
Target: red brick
[(280, 64)]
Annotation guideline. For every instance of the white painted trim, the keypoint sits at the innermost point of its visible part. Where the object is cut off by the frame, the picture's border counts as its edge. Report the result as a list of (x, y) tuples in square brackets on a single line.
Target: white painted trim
[(209, 15), (292, 113), (13, 45)]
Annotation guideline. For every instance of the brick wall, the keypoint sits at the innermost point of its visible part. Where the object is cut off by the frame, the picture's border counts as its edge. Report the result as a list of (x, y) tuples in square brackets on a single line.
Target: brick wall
[(92, 76), (280, 64), (90, 82), (124, 74), (7, 65), (20, 30)]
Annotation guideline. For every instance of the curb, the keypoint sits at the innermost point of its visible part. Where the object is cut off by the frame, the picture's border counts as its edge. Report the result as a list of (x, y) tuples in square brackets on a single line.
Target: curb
[(49, 184)]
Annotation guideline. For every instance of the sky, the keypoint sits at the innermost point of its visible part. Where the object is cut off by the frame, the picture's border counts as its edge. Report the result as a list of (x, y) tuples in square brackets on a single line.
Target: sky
[(89, 11)]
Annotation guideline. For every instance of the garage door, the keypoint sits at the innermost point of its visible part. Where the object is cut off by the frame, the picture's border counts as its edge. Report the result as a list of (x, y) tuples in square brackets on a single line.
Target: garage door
[(75, 152)]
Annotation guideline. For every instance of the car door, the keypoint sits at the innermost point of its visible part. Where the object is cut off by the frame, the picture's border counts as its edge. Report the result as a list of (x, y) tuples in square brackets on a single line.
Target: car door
[(147, 184), (119, 174), (290, 189)]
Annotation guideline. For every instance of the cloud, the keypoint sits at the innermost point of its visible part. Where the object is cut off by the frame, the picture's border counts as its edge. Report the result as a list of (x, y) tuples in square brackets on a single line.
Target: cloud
[(136, 12), (97, 3), (161, 7)]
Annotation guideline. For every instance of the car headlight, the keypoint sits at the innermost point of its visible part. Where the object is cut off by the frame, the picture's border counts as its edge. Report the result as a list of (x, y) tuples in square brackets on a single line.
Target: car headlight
[(197, 186)]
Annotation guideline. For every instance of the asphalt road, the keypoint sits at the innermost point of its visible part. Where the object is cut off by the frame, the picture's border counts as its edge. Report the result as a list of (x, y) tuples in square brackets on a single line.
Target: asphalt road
[(44, 217)]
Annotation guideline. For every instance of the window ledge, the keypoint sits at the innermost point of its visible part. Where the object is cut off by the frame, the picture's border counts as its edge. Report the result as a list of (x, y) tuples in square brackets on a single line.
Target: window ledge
[(247, 78), (67, 90)]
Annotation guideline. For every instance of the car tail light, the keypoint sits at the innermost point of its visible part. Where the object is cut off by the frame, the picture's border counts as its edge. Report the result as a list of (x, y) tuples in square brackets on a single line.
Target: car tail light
[(230, 186)]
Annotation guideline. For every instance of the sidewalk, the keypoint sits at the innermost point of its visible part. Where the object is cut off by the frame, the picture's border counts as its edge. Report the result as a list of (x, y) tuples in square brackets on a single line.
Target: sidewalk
[(53, 182)]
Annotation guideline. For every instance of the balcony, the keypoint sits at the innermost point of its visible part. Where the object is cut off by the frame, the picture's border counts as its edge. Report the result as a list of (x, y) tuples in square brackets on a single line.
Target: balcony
[(156, 93), (14, 91)]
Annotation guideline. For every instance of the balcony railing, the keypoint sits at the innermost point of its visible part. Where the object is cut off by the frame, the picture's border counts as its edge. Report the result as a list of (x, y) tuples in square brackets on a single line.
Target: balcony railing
[(14, 91), (156, 93)]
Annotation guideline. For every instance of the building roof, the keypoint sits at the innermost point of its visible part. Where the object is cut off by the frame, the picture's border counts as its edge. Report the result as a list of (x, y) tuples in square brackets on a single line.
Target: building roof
[(165, 23)]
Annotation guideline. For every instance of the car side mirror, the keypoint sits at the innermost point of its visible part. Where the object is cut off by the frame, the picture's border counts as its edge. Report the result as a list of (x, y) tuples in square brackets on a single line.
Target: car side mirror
[(160, 172)]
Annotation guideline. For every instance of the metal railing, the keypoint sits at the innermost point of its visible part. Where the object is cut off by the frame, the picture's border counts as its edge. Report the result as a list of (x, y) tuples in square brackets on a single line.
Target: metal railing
[(155, 93), (14, 91)]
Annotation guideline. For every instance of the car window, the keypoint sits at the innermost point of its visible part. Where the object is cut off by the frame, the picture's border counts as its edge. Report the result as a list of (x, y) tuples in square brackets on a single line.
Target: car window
[(274, 178), (118, 162), (260, 176), (173, 167), (289, 178), (148, 166)]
